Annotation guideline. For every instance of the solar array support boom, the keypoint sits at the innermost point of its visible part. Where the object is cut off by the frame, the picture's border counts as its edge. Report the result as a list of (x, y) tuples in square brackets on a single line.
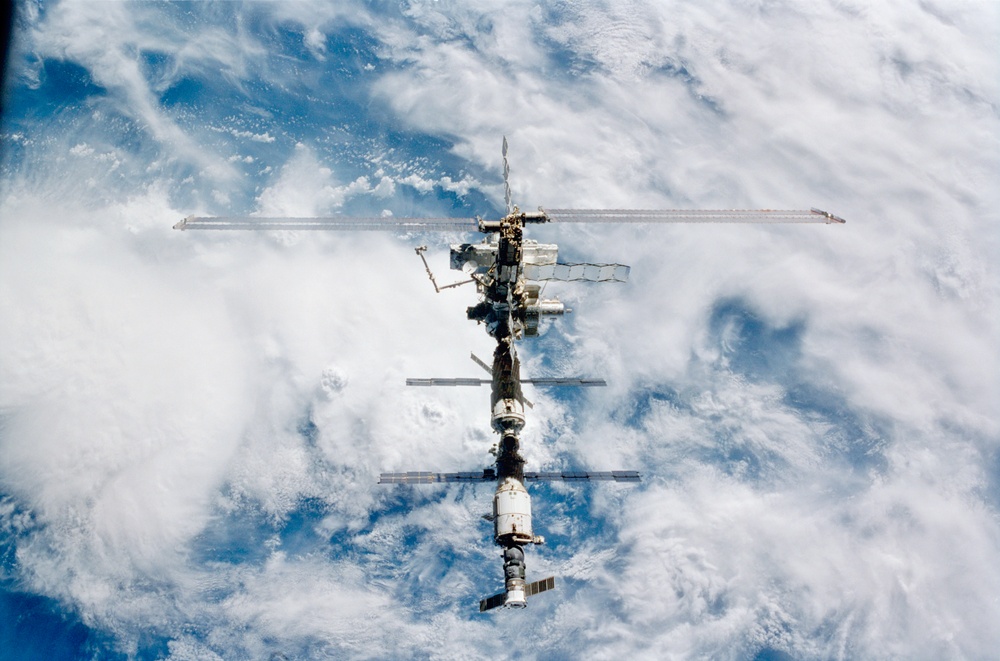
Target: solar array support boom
[(397, 224)]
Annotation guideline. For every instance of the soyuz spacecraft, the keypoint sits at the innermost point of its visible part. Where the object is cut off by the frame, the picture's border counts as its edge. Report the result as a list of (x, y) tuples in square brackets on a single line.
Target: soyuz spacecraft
[(508, 271)]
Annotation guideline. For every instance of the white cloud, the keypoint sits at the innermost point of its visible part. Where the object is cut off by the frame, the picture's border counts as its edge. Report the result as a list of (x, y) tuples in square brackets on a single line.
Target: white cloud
[(306, 188), (813, 407), (314, 41)]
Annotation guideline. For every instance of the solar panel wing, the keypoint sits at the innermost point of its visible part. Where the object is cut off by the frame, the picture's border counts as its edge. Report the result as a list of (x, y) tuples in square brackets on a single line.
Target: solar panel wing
[(617, 476), (491, 602), (425, 477), (389, 223), (577, 272), (542, 476), (538, 587), (447, 382), (690, 216)]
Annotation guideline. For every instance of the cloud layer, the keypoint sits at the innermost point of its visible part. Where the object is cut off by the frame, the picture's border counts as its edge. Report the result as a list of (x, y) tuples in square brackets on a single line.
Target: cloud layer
[(192, 425)]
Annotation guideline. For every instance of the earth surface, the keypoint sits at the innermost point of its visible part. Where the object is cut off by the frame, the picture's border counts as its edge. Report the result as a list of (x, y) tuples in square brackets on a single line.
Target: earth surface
[(192, 424)]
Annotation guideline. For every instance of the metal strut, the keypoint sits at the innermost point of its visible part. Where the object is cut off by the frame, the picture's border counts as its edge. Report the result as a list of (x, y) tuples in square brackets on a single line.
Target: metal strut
[(420, 251)]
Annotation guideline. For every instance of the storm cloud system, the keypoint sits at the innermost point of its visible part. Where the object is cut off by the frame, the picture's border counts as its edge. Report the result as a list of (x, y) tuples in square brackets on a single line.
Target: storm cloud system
[(192, 425)]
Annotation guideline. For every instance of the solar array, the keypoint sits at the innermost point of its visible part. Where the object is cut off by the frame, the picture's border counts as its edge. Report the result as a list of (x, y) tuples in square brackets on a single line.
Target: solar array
[(489, 475), (462, 381), (390, 223), (577, 272), (657, 216), (393, 223)]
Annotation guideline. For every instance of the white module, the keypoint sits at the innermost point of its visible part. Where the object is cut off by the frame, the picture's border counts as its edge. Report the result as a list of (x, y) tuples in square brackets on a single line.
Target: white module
[(512, 513), (508, 416), (514, 596)]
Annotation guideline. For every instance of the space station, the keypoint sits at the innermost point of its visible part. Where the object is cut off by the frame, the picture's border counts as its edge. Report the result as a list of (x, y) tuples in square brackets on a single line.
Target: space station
[(508, 271)]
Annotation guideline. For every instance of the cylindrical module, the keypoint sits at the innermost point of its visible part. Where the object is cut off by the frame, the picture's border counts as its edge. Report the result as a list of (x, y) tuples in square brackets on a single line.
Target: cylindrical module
[(512, 514), (514, 584), (508, 415), (551, 306)]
